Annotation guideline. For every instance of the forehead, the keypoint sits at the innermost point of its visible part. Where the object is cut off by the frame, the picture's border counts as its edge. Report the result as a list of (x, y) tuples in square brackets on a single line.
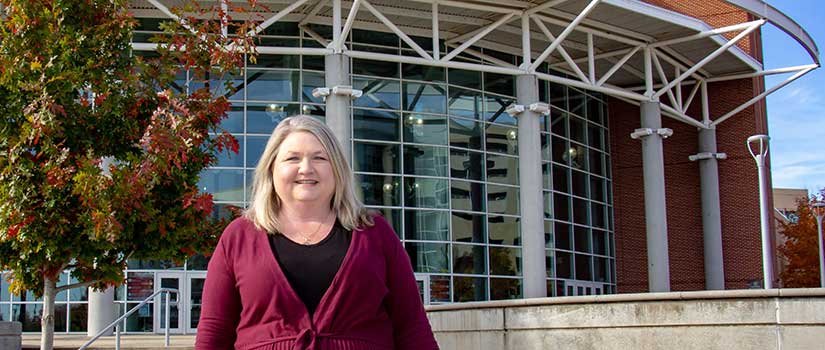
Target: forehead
[(301, 141)]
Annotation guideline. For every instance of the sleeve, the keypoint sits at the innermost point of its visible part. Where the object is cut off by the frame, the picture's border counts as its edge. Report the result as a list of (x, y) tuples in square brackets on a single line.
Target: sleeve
[(411, 328), (221, 304)]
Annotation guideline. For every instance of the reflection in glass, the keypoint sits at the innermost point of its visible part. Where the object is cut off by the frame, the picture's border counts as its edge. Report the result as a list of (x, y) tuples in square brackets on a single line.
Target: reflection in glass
[(428, 257), (466, 164), (422, 128), (561, 207), (78, 317), (425, 160), (427, 98), (465, 78), (558, 95), (579, 181), (223, 184), (469, 289), (439, 289), (140, 321), (378, 190), (466, 134), (500, 84), (467, 195), (468, 228), (564, 265), (234, 119), (229, 158), (375, 125), (583, 263), (501, 139), (374, 68), (426, 225), (505, 288), (502, 169), (376, 158), (581, 212), (272, 85), (582, 239), (502, 200), (262, 118), (504, 230), (494, 109), (426, 193), (465, 103), (558, 122), (577, 101), (311, 81), (469, 259), (419, 72), (378, 93)]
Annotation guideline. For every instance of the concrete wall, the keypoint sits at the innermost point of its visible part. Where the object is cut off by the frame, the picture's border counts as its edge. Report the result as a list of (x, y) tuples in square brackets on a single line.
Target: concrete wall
[(730, 320), (10, 335)]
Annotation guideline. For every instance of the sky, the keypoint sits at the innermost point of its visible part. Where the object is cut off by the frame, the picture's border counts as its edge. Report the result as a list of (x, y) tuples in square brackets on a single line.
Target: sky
[(796, 113)]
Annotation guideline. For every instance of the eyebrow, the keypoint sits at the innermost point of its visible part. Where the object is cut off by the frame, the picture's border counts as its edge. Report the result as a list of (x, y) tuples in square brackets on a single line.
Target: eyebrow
[(313, 153)]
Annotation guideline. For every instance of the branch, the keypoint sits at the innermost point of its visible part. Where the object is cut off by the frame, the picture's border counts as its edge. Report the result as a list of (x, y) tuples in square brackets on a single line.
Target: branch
[(76, 285)]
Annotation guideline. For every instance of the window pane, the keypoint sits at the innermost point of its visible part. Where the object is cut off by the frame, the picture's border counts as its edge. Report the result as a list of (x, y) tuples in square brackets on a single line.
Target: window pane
[(548, 234), (469, 259), (505, 261), (439, 289), (79, 317), (466, 134), (597, 215), (465, 103), (263, 118), (379, 190), (502, 169), (577, 156), (594, 110), (545, 147), (546, 176), (500, 84), (505, 288), (564, 265), (583, 263), (494, 109), (561, 207), (426, 225), (427, 98), (234, 119), (558, 122), (581, 212), (140, 321), (560, 178), (599, 242), (425, 160), (582, 237), (469, 289), (466, 164), (421, 128), (502, 200), (502, 139), (272, 85), (504, 230), (468, 228), (376, 158), (228, 158), (559, 151), (600, 267), (29, 315), (596, 162), (466, 78), (378, 93), (426, 73), (223, 184), (576, 102), (579, 181), (428, 257), (467, 195), (77, 294), (311, 81), (563, 236), (597, 189), (549, 264), (426, 193), (594, 137), (374, 68), (375, 125), (139, 285)]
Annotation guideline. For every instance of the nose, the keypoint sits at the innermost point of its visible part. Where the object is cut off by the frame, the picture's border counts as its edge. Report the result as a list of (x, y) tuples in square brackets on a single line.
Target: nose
[(305, 167)]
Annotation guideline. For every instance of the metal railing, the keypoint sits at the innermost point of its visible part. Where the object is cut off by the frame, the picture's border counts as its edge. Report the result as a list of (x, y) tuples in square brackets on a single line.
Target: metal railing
[(117, 322)]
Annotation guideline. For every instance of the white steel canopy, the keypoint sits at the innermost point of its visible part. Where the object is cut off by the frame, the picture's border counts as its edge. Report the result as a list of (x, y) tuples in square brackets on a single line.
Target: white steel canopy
[(624, 48)]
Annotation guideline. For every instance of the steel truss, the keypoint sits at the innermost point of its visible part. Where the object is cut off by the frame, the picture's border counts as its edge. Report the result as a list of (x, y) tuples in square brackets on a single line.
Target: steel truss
[(666, 72)]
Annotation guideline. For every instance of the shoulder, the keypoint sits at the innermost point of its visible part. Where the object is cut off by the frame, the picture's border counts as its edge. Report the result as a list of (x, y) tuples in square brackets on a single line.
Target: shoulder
[(239, 231), (381, 232)]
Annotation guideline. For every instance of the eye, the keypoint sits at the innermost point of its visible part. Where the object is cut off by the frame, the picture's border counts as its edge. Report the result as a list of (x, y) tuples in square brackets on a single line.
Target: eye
[(291, 158), (320, 158)]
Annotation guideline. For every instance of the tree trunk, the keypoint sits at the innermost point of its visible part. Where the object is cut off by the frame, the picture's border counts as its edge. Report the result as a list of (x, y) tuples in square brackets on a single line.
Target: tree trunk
[(47, 319)]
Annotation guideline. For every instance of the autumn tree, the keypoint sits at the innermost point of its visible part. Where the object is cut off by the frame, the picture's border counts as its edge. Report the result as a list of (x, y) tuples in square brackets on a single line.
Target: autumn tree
[(100, 150), (800, 249)]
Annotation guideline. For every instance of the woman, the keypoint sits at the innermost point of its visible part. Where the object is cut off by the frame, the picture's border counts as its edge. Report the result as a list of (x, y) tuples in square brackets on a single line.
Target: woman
[(306, 267)]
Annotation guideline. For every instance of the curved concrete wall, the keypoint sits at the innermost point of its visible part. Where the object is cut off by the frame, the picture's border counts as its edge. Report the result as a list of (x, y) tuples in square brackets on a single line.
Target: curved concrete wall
[(731, 320)]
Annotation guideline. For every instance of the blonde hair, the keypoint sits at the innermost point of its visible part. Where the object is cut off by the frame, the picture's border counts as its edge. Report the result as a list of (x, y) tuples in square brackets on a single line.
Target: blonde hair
[(265, 205)]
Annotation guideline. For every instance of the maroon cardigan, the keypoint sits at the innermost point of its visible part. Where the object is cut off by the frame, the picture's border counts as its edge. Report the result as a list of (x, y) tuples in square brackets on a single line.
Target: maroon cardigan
[(372, 303)]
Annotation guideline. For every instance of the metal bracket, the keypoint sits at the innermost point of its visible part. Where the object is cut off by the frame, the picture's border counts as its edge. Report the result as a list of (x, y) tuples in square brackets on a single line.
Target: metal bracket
[(644, 132), (538, 107), (707, 155), (341, 90), (514, 109)]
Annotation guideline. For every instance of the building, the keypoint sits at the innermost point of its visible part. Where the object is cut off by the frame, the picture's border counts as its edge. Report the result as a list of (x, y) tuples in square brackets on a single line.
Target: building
[(785, 202), (502, 140)]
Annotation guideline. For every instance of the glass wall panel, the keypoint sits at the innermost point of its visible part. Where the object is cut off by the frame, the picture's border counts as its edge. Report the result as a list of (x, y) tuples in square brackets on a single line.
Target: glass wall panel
[(564, 265), (469, 259), (78, 317), (502, 200), (426, 225), (376, 158), (504, 230), (228, 158), (582, 239), (494, 109), (29, 315), (502, 169), (428, 129), (378, 189), (563, 236), (501, 139), (505, 288), (378, 93), (428, 257), (467, 196), (425, 160), (466, 134), (469, 289), (425, 73), (465, 78), (503, 84), (581, 212), (426, 98), (466, 164), (558, 122), (579, 181), (311, 81), (234, 119), (426, 193), (561, 207), (440, 289), (465, 103), (469, 228), (599, 242), (374, 68), (561, 177), (375, 125), (269, 85), (223, 184), (583, 263), (505, 261)]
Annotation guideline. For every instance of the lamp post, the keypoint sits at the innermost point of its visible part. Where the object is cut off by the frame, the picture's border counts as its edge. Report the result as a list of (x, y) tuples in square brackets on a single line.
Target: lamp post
[(818, 209), (758, 146)]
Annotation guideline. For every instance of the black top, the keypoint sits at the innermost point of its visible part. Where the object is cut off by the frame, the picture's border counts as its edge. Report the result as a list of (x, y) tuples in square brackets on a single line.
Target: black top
[(311, 268)]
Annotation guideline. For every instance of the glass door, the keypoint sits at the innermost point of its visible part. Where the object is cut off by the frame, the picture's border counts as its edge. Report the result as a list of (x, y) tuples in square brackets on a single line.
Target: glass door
[(194, 291), (423, 282), (170, 279)]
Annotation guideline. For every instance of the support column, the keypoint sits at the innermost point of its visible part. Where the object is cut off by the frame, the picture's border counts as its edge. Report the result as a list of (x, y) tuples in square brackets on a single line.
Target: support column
[(530, 198), (652, 133), (338, 105), (101, 311), (711, 210)]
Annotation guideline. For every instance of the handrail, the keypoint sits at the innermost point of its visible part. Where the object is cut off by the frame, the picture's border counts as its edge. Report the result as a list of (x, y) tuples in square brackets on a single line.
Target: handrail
[(117, 322)]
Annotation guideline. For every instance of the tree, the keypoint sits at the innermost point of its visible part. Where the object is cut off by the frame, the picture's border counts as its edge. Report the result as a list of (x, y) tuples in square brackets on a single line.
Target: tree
[(100, 151), (801, 246)]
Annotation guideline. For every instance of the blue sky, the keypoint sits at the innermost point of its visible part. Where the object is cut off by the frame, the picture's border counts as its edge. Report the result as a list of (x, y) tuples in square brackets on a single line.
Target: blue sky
[(796, 113)]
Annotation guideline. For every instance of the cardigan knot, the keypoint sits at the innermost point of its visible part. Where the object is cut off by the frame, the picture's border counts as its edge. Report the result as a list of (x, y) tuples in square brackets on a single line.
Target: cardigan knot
[(305, 340)]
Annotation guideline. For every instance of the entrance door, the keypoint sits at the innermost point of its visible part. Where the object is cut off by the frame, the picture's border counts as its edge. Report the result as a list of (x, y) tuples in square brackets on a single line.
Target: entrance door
[(423, 282), (170, 279), (583, 288), (194, 291)]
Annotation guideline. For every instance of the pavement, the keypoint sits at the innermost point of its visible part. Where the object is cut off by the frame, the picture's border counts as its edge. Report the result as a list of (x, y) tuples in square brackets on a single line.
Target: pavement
[(127, 342)]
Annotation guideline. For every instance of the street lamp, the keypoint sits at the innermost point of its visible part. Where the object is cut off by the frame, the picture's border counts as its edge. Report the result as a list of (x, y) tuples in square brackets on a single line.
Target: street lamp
[(818, 208), (758, 146)]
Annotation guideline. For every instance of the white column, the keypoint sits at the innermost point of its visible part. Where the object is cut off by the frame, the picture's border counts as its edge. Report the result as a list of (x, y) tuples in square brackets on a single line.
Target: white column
[(102, 311), (711, 210), (338, 106), (531, 199)]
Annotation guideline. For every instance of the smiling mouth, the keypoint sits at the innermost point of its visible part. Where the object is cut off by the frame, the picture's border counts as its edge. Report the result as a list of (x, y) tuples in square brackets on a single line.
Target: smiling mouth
[(306, 182)]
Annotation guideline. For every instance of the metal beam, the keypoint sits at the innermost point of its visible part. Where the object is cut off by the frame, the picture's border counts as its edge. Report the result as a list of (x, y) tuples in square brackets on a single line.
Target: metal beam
[(562, 51), (477, 37), (395, 30), (277, 17), (569, 29)]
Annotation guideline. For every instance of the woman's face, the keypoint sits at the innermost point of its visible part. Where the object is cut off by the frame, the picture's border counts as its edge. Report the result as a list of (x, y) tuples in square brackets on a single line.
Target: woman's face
[(302, 173)]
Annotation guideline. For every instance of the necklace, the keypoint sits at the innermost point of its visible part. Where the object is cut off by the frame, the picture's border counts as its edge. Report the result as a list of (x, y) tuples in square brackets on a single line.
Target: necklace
[(308, 239)]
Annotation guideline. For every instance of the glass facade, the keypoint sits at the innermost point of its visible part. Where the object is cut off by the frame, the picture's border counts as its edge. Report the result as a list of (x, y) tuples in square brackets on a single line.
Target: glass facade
[(435, 152)]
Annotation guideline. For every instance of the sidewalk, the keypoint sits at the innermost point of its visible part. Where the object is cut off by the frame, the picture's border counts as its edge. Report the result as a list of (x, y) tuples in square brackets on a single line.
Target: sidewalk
[(130, 341)]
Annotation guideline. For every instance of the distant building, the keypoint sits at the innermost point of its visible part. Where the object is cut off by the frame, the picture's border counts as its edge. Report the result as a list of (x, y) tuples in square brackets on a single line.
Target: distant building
[(785, 201)]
